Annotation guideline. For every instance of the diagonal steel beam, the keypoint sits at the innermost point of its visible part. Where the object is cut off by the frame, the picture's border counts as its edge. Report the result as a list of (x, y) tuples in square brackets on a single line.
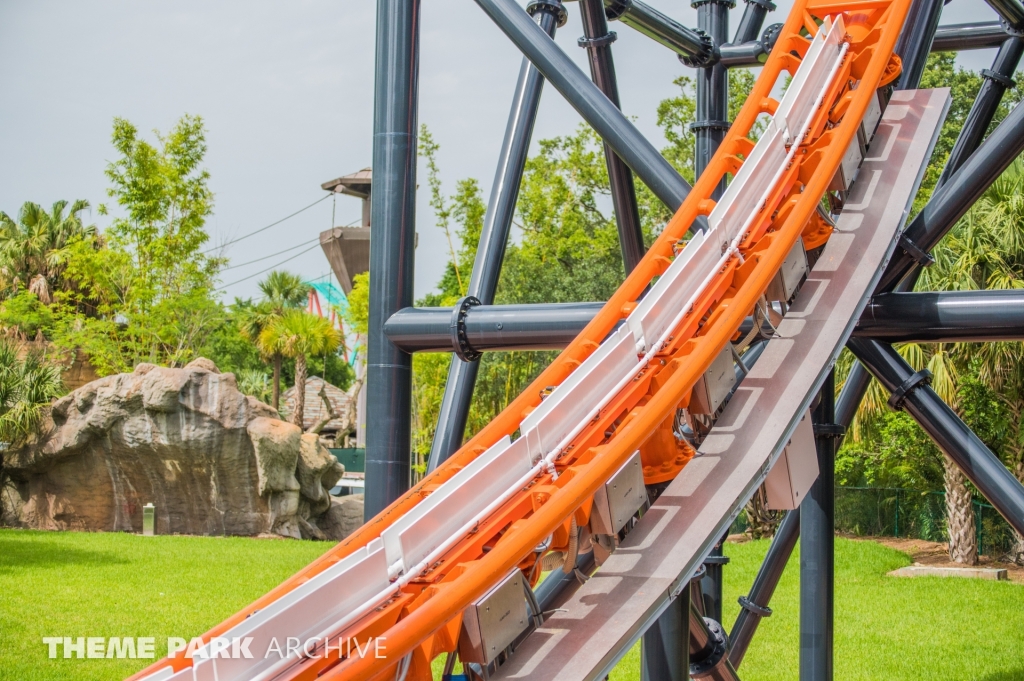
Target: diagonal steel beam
[(595, 108)]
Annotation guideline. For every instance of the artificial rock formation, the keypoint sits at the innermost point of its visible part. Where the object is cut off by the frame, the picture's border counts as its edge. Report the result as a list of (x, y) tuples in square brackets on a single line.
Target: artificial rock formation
[(211, 459)]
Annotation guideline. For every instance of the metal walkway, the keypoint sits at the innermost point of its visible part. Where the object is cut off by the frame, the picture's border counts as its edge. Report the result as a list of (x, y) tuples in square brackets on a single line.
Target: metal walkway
[(608, 614)]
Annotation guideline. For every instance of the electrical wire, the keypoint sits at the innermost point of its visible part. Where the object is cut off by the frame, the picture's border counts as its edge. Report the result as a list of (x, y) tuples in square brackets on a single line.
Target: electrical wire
[(256, 274), (272, 224), (243, 264)]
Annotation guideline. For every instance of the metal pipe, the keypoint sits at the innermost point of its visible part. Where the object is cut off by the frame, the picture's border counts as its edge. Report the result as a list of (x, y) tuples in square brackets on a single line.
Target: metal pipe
[(750, 53), (973, 36), (937, 317), (393, 211), (911, 391), (950, 201), (662, 658), (995, 82), (944, 317), (462, 373), (1011, 11), (542, 326), (915, 40), (949, 38), (712, 115), (753, 18), (817, 547), (695, 48), (754, 606), (595, 108), (597, 39)]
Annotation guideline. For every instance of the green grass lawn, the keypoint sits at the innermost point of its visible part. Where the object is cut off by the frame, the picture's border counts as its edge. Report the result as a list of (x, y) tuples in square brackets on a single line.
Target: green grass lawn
[(95, 584), (885, 627), (71, 584)]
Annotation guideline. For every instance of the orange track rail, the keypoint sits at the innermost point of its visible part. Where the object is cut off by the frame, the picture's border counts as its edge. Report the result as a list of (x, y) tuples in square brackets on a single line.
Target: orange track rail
[(423, 617)]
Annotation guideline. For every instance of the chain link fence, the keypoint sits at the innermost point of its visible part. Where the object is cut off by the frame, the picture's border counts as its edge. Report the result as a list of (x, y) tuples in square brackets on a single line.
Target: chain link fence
[(914, 514)]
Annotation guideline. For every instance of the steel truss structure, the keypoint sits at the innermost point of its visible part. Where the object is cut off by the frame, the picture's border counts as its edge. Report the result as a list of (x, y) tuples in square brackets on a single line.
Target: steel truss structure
[(427, 559)]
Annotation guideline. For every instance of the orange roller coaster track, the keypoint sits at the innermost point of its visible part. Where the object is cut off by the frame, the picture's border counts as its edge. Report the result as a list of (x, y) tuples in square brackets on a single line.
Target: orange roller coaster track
[(421, 618)]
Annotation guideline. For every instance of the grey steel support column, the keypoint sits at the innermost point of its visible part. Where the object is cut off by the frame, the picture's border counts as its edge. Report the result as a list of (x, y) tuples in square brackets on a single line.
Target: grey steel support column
[(750, 24), (664, 655), (712, 115), (393, 211), (817, 547), (710, 125), (915, 41), (458, 390), (595, 108), (711, 585), (996, 81), (597, 39), (910, 391), (950, 201), (754, 606)]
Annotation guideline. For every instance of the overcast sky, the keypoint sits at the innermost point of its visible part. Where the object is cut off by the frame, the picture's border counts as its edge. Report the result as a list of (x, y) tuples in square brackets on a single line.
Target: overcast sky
[(286, 90)]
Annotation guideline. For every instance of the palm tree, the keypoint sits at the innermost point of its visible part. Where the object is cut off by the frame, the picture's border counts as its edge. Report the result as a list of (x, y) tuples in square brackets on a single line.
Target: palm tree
[(986, 251), (283, 291), (27, 387), (299, 334), (30, 246)]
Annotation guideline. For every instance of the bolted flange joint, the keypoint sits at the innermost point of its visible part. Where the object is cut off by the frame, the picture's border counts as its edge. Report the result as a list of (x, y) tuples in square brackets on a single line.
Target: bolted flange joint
[(755, 609), (554, 7), (770, 36), (899, 395), (457, 327), (714, 656), (708, 56)]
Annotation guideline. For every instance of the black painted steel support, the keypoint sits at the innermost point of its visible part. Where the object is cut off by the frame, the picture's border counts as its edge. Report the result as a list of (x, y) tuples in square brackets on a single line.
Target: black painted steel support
[(944, 317), (817, 547), (595, 108), (1010, 11), (695, 48), (915, 41), (973, 36), (911, 391), (750, 24), (711, 122), (754, 606), (995, 83), (709, 649), (663, 655), (540, 326), (948, 38), (393, 211), (750, 53), (950, 201), (712, 116), (458, 390), (597, 39), (711, 585)]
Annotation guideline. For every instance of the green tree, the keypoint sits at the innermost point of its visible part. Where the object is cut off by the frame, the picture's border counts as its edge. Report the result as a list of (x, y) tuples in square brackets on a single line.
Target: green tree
[(942, 71), (29, 246), (148, 294), (985, 250), (300, 335), (282, 291)]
